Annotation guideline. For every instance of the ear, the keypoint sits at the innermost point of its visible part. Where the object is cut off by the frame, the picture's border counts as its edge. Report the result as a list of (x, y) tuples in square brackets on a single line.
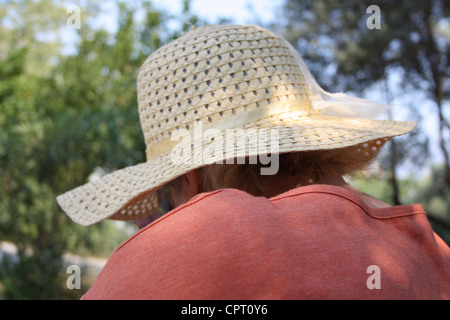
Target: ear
[(191, 184), (189, 189)]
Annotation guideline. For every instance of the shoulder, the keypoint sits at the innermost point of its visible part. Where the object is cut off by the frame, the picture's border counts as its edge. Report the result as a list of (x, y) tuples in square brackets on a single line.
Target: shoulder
[(232, 212), (235, 214), (205, 215), (227, 241)]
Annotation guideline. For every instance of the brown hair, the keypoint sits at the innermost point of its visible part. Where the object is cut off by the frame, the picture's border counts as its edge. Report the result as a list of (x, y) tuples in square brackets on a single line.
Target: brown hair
[(293, 167)]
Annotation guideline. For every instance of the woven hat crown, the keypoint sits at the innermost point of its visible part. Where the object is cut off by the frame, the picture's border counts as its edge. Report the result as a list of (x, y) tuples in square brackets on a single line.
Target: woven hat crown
[(212, 73)]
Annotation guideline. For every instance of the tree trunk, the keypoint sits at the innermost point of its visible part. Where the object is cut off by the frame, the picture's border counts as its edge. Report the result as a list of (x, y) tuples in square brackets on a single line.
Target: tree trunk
[(393, 154), (393, 174), (432, 62)]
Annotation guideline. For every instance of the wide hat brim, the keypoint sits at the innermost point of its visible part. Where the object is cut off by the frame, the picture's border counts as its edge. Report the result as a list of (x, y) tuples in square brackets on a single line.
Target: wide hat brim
[(129, 193)]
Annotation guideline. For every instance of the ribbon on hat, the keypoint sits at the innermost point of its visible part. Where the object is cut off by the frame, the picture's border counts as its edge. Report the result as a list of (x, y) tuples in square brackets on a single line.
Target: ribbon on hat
[(299, 106), (337, 104)]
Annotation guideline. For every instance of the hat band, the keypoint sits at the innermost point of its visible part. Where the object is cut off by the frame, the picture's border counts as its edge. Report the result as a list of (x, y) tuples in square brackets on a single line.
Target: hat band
[(300, 106)]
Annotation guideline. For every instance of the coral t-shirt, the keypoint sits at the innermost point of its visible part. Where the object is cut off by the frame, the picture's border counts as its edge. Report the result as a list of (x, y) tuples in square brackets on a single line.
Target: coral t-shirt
[(313, 242)]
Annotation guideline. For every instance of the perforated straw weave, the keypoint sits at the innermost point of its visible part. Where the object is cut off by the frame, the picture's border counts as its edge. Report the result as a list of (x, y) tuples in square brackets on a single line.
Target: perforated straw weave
[(232, 82)]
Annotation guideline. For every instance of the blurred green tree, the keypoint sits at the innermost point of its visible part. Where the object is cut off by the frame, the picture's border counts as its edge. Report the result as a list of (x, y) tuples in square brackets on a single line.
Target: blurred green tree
[(35, 25), (65, 119)]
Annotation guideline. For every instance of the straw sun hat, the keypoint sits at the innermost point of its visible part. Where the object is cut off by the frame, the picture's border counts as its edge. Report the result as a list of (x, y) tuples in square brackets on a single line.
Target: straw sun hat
[(233, 82)]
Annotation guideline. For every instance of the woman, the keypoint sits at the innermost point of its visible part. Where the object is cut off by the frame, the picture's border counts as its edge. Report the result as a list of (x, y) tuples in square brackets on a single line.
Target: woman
[(248, 155)]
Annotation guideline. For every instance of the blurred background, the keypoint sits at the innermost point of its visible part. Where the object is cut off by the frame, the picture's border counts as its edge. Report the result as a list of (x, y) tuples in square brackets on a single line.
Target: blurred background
[(68, 109)]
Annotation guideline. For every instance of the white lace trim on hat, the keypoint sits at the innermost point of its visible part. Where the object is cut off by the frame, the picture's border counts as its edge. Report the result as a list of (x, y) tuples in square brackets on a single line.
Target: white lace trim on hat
[(337, 104)]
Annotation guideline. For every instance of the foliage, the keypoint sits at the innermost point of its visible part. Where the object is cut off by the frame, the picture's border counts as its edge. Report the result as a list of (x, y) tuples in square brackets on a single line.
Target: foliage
[(335, 33), (59, 125)]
